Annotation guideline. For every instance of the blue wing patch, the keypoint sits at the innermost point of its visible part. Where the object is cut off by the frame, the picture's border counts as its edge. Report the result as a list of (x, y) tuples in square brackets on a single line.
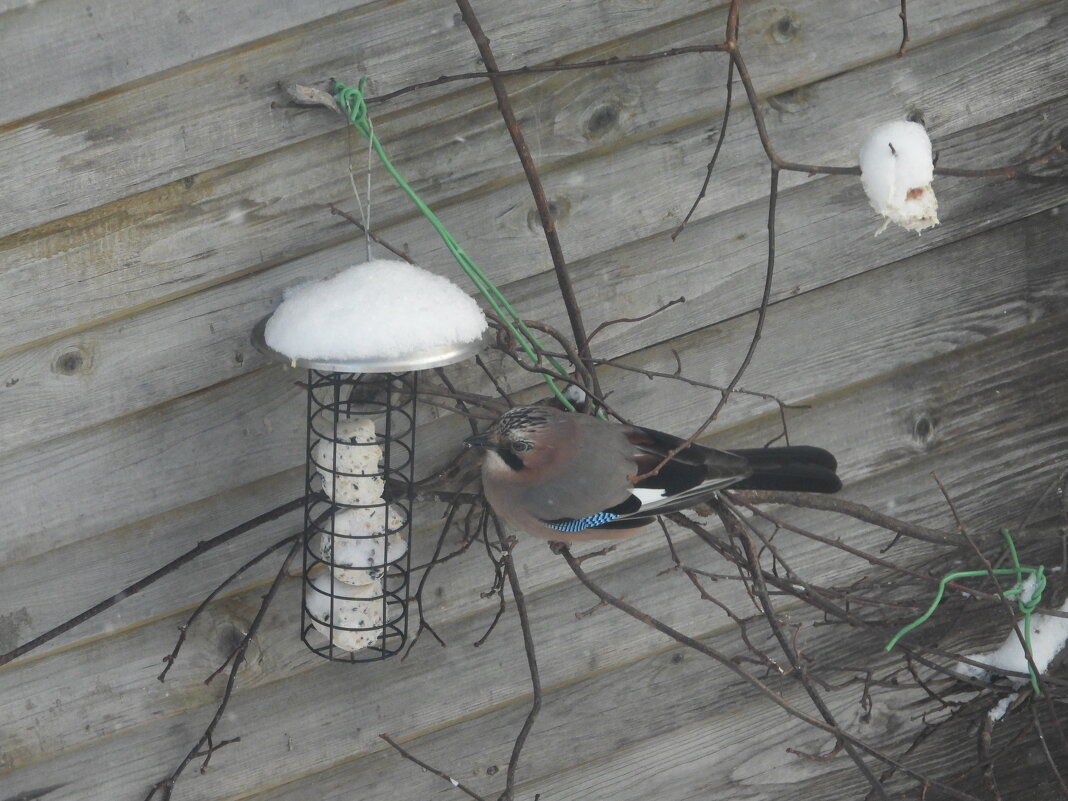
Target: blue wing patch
[(590, 521)]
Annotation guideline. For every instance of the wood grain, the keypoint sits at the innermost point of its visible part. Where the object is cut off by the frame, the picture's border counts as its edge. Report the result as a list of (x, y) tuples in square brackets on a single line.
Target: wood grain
[(97, 49), (35, 597), (157, 205), (963, 392), (261, 210), (167, 457), (217, 111), (319, 738), (824, 236)]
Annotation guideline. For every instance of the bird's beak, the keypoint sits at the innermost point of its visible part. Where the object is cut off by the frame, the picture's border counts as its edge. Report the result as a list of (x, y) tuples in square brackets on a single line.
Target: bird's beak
[(483, 440)]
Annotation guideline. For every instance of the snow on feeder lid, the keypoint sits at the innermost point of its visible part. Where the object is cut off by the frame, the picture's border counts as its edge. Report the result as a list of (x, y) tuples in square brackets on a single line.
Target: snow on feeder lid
[(896, 169), (382, 316), (364, 335)]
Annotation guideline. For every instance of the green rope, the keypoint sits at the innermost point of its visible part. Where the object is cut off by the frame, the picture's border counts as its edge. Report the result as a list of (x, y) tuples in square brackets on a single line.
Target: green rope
[(1027, 606), (351, 102)]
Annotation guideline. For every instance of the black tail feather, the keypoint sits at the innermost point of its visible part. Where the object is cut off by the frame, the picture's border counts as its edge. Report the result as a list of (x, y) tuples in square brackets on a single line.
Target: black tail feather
[(794, 468)]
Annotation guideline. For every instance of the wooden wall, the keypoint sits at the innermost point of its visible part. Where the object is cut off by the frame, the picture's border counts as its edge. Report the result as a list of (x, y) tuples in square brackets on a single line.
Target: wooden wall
[(160, 193)]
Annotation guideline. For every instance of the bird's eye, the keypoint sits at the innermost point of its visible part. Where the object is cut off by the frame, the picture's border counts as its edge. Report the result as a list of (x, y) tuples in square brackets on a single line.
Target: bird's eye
[(521, 446)]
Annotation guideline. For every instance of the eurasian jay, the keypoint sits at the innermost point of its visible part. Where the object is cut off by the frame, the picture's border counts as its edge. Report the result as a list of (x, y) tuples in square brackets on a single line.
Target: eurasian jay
[(570, 477)]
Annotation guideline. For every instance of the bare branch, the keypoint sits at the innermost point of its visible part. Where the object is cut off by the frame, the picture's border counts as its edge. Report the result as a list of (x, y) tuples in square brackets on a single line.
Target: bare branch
[(556, 250), (613, 61), (904, 15), (200, 548), (411, 758), (166, 786)]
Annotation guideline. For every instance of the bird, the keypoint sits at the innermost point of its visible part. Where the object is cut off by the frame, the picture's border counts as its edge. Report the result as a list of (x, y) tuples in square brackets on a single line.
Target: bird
[(572, 477)]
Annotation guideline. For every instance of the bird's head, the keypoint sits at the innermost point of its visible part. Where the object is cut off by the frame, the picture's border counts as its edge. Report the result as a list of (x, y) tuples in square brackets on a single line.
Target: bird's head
[(519, 436)]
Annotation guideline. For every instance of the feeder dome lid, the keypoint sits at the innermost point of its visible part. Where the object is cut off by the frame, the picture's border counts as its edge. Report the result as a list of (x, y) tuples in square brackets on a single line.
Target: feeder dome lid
[(382, 316)]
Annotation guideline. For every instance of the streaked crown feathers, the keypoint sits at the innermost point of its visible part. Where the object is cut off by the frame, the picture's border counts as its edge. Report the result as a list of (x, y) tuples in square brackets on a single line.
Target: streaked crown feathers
[(521, 421)]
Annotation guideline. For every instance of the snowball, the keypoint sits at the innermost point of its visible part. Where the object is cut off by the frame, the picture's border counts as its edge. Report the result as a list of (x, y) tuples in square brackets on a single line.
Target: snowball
[(575, 394), (355, 458), (379, 310), (1002, 706), (1048, 637), (354, 607), (896, 168), (360, 549)]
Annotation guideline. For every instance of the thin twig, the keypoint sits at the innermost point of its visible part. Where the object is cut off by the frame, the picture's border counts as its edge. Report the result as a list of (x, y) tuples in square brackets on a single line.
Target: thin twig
[(613, 61), (493, 380), (412, 758), (693, 382), (803, 591), (904, 15), (733, 524), (986, 763), (692, 574), (1012, 171), (715, 153), (166, 786), (435, 559), (373, 236), (762, 688), (870, 558), (757, 331), (199, 549), (762, 130), (548, 224), (1045, 749), (582, 364), (519, 599), (841, 506), (639, 319), (765, 299), (184, 628)]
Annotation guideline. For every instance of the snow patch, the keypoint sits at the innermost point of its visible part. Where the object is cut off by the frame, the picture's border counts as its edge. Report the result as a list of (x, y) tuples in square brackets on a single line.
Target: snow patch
[(896, 169), (381, 309)]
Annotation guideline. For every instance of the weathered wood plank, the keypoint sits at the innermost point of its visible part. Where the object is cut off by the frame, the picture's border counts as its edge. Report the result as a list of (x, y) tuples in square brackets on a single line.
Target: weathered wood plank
[(97, 48), (218, 111), (270, 208), (747, 753), (202, 339), (581, 724), (257, 419), (191, 449), (993, 400), (319, 737), (586, 728), (31, 603), (613, 199), (984, 410), (124, 675)]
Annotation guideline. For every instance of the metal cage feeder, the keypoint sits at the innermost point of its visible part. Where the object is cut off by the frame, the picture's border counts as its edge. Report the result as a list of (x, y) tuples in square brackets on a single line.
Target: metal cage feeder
[(359, 472)]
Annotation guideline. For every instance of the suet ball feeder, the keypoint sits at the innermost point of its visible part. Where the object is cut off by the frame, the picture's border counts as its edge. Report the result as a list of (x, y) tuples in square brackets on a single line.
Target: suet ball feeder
[(373, 327)]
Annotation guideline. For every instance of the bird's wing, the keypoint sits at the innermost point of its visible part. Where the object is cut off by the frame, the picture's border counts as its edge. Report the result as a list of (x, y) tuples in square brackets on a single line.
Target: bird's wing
[(694, 470), (692, 473)]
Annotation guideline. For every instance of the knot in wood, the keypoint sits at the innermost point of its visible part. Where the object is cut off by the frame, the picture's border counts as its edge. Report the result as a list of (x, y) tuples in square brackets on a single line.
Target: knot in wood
[(923, 429), (603, 119), (784, 29), (72, 361)]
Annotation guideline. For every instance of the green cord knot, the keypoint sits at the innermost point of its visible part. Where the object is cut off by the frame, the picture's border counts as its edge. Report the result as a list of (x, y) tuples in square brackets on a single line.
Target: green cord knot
[(1029, 606), (1026, 605), (352, 104)]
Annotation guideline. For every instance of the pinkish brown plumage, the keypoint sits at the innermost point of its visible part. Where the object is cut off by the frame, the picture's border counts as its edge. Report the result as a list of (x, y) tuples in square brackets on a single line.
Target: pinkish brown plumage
[(570, 477)]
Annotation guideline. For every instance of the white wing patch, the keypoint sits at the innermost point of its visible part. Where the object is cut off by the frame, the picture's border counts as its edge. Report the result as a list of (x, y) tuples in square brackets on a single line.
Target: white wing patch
[(648, 496)]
